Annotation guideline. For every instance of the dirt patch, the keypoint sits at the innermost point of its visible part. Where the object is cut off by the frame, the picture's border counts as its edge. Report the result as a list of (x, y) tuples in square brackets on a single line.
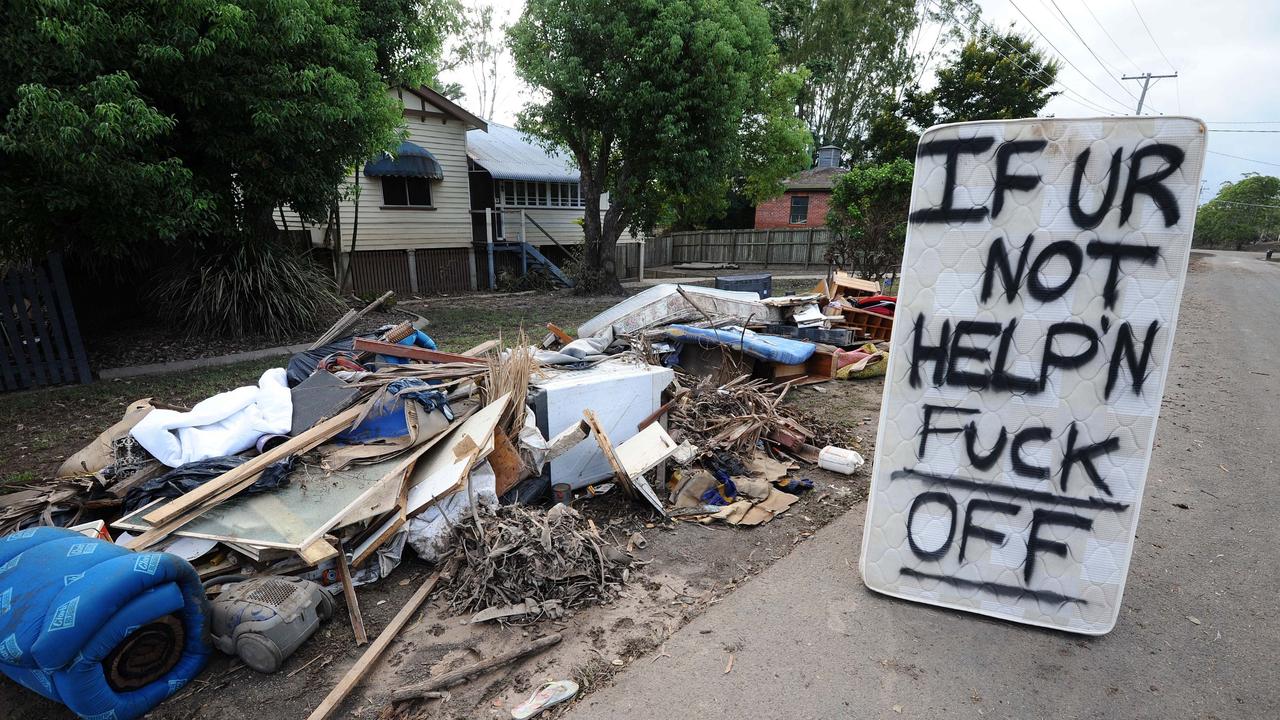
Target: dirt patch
[(684, 568)]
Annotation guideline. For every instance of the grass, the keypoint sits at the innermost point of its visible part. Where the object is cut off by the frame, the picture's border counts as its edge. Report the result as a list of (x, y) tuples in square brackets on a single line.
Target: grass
[(459, 323)]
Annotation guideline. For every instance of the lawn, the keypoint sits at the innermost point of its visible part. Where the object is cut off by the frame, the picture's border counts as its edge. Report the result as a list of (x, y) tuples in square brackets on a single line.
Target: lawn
[(48, 425)]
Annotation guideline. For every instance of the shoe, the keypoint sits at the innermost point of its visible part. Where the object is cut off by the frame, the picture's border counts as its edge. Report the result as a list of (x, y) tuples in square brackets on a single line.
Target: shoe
[(553, 693)]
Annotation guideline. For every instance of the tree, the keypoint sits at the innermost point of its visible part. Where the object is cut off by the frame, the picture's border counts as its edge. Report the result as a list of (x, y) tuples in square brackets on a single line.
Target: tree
[(851, 52), (479, 45), (1243, 212), (154, 129), (994, 76), (868, 218), (656, 100)]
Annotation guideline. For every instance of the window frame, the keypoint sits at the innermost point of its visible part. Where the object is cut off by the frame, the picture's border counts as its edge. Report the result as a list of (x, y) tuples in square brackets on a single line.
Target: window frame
[(791, 215), (538, 194), (408, 203)]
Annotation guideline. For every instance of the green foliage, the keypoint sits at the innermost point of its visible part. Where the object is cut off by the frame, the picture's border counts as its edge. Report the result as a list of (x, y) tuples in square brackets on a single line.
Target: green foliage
[(247, 289), (408, 36), (661, 102), (986, 80), (850, 52), (128, 123), (868, 218), (1244, 212)]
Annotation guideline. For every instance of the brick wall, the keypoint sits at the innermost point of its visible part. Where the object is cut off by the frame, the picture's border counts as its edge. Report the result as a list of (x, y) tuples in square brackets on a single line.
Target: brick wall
[(776, 213)]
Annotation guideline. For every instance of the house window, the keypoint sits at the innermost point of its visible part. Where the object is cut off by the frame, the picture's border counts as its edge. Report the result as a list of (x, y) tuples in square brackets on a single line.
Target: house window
[(407, 192), (524, 193), (799, 209)]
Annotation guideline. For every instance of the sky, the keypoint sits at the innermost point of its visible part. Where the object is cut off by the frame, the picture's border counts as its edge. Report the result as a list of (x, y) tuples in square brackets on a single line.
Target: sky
[(1226, 54)]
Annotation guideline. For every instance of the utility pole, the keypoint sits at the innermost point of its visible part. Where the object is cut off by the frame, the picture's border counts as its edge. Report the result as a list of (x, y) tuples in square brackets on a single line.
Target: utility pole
[(1146, 79)]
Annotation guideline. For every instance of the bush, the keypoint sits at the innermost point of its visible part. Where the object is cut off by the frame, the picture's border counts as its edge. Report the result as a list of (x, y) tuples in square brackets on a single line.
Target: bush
[(868, 218), (258, 287)]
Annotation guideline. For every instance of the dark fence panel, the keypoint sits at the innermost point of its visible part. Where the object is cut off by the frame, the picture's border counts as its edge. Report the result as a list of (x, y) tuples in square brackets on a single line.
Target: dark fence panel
[(443, 270), (39, 334)]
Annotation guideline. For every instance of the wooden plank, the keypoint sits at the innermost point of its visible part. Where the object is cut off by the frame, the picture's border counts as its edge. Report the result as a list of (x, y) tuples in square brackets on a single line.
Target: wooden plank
[(317, 552), (506, 463), (606, 447), (644, 450), (24, 341), (453, 677), (371, 656), (349, 594), (481, 349), (68, 312), (409, 352), (561, 335), (40, 328), (66, 362), (190, 506), (8, 369)]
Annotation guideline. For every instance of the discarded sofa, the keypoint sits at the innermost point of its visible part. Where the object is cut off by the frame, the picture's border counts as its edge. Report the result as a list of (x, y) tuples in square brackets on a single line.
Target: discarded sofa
[(107, 632)]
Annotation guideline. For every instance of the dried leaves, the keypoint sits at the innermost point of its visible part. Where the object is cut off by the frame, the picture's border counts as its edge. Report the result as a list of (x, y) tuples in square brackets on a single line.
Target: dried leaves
[(733, 416), (525, 552)]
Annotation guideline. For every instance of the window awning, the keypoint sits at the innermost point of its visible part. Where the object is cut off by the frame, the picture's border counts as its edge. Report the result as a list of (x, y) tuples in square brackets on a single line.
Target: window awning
[(410, 161)]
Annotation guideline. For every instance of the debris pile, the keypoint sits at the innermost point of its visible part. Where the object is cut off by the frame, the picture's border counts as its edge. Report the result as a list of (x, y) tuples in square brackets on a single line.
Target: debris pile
[(287, 494), (522, 552)]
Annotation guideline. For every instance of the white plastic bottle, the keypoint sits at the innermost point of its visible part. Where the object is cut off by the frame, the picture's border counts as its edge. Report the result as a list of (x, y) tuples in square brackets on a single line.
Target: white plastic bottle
[(837, 459)]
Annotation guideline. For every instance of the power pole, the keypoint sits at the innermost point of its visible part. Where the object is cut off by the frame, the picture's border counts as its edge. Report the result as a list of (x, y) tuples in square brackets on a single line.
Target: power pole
[(1146, 79)]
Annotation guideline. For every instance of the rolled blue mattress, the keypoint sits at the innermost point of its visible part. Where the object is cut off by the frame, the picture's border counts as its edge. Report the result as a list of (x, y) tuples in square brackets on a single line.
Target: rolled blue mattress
[(107, 632), (765, 347)]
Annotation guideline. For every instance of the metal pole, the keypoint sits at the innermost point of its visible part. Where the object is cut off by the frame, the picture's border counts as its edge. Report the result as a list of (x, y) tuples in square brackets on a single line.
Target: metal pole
[(488, 238), (1146, 79)]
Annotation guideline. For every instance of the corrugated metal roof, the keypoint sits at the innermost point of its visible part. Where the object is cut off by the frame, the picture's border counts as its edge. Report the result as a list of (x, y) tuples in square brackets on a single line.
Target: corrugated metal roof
[(509, 154)]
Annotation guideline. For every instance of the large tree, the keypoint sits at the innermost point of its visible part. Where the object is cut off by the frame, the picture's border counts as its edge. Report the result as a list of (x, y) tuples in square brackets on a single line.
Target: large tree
[(155, 129), (851, 52), (1243, 212), (661, 102), (993, 76)]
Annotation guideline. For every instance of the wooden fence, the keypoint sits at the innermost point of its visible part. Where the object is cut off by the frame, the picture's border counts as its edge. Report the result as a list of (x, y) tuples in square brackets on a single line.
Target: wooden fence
[(39, 336), (805, 247)]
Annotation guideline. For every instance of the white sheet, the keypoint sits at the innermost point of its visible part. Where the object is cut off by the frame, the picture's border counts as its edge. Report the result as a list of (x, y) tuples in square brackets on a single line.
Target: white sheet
[(225, 424)]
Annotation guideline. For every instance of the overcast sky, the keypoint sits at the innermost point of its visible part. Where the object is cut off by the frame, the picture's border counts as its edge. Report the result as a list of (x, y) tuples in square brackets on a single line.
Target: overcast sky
[(1226, 54)]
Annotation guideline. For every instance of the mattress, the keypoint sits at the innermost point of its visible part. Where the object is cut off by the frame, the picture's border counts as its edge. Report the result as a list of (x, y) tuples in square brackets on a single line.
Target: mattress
[(1043, 268)]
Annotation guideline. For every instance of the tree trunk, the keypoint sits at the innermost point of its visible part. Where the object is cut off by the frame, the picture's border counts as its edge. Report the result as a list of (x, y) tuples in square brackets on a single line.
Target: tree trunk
[(601, 241)]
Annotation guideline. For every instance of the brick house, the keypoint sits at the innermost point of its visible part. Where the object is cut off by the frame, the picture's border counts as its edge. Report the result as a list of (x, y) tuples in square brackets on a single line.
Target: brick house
[(807, 197)]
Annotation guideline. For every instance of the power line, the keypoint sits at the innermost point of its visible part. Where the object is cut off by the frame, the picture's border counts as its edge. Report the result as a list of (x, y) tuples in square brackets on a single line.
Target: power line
[(1153, 37), (1108, 34), (1105, 67), (1067, 90), (1063, 55), (1233, 202), (1237, 157), (1082, 101)]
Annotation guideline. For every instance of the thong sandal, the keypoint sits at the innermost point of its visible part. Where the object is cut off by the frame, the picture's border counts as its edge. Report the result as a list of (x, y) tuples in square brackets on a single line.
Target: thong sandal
[(553, 693)]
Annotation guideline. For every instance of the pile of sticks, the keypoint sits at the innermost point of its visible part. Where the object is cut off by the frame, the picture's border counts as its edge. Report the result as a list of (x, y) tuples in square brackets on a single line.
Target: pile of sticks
[(526, 552), (733, 416)]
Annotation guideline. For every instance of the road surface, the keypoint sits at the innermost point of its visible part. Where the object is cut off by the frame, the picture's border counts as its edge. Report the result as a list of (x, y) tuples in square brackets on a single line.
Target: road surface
[(1198, 634)]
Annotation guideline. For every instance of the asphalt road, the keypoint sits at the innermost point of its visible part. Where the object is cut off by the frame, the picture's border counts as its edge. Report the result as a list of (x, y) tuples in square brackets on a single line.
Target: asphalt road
[(1198, 634)]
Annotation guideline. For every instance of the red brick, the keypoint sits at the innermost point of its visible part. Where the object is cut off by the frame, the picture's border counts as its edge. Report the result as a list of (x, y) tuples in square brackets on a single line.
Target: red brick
[(776, 213)]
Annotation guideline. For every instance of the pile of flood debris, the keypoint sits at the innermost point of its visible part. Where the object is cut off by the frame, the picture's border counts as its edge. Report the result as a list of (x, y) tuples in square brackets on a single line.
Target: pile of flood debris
[(323, 474)]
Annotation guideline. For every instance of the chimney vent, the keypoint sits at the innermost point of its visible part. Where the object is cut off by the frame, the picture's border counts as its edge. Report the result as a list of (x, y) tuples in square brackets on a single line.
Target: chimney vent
[(829, 156)]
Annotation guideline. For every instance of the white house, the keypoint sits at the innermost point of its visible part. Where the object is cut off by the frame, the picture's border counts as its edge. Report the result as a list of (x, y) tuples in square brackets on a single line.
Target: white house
[(418, 220)]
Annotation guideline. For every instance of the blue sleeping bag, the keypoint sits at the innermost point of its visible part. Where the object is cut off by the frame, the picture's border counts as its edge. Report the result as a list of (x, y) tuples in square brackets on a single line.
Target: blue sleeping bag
[(107, 632), (765, 347)]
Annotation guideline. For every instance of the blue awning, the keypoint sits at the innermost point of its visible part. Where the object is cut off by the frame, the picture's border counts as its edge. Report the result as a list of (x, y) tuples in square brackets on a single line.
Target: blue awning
[(410, 161)]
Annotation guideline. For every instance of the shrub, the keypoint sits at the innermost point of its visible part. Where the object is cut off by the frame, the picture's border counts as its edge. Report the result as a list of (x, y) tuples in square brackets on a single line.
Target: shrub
[(254, 288)]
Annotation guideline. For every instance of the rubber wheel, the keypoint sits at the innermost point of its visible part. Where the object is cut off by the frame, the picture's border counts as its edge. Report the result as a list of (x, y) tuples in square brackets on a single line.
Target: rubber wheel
[(325, 609), (259, 653)]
